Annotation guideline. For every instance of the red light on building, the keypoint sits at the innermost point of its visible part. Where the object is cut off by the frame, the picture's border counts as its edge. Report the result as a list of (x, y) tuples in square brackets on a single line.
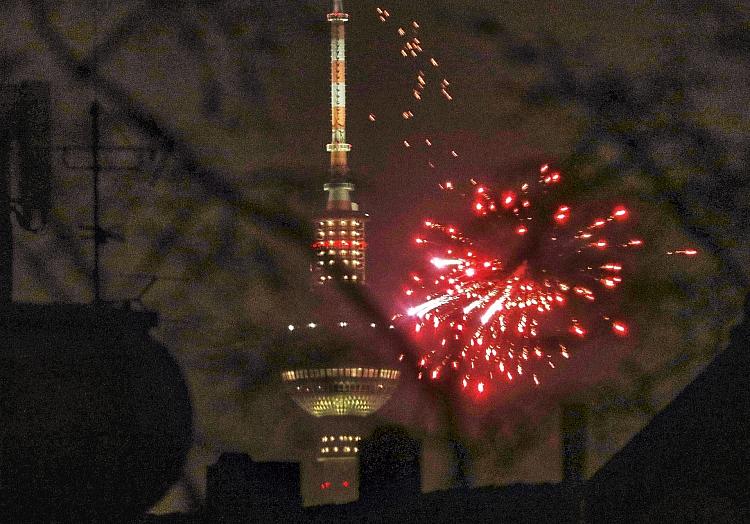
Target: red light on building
[(341, 244), (345, 483)]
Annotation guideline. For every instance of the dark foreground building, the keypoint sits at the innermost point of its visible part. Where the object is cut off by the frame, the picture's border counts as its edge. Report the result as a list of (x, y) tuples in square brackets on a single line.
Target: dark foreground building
[(390, 491), (690, 464), (241, 490)]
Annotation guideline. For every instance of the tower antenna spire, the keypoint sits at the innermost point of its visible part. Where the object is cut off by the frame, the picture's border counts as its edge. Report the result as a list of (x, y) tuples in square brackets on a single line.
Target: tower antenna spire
[(338, 146)]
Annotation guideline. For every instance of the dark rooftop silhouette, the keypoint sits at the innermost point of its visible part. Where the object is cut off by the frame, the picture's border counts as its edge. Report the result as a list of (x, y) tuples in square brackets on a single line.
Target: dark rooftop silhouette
[(690, 464), (389, 466), (692, 461), (241, 490), (96, 417)]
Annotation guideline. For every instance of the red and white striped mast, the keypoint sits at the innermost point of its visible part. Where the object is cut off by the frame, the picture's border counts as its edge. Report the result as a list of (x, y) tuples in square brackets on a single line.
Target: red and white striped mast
[(340, 231), (338, 189)]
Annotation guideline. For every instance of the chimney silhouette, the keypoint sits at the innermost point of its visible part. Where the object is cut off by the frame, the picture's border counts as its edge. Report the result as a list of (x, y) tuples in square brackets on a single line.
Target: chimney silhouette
[(239, 489), (461, 471), (574, 433), (574, 430), (389, 466)]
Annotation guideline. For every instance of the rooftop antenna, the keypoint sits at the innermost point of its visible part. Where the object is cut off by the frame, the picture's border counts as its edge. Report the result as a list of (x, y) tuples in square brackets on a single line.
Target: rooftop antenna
[(100, 235)]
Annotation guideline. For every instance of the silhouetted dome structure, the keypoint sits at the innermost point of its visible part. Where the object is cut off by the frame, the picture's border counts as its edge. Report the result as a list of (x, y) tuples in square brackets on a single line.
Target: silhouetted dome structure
[(96, 418)]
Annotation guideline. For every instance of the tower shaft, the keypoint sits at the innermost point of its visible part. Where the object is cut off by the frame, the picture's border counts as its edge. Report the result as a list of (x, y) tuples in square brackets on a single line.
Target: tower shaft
[(340, 240), (338, 146)]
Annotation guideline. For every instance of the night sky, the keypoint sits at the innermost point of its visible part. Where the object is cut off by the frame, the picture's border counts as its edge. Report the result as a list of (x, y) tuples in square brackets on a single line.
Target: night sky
[(243, 85)]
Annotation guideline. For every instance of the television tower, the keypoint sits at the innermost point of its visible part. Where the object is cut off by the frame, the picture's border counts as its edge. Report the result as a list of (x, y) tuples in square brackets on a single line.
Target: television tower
[(343, 394), (340, 234)]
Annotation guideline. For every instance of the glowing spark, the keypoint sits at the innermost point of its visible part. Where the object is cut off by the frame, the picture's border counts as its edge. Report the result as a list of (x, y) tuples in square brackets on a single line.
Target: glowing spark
[(620, 213), (562, 214), (444, 262), (620, 328)]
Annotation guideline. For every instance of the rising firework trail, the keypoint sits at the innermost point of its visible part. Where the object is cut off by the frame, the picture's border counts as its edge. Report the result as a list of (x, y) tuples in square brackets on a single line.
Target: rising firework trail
[(425, 85)]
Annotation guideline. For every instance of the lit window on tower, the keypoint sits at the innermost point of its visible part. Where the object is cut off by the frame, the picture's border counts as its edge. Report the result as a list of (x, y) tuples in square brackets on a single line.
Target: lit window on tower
[(335, 249)]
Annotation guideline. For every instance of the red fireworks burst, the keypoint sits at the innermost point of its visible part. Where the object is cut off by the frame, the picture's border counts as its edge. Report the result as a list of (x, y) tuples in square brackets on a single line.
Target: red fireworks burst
[(513, 299)]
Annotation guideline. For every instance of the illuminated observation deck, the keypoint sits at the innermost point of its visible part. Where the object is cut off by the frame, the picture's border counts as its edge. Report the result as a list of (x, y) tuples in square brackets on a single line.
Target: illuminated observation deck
[(340, 392)]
